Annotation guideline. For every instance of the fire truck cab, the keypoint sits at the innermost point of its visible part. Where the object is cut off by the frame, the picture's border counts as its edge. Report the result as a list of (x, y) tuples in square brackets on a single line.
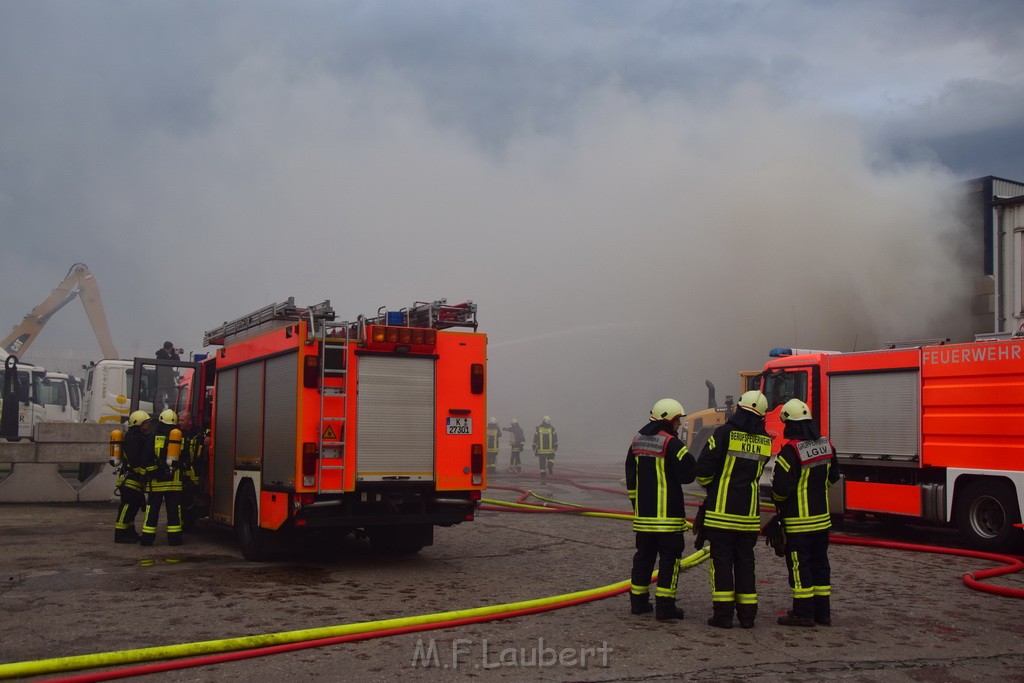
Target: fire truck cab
[(932, 431), (371, 427)]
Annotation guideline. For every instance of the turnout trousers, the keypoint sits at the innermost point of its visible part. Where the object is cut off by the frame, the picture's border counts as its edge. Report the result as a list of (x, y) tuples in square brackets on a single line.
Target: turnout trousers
[(172, 499), (665, 547), (810, 574), (132, 500), (733, 574)]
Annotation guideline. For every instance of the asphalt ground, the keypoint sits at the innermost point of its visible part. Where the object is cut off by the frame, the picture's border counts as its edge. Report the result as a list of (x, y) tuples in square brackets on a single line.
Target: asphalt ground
[(68, 590)]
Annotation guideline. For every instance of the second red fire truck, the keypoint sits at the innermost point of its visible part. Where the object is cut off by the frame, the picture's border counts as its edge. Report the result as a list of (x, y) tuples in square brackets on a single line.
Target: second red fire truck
[(927, 431)]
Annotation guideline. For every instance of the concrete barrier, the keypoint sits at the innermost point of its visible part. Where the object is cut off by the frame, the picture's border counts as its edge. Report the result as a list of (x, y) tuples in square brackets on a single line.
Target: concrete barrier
[(35, 465)]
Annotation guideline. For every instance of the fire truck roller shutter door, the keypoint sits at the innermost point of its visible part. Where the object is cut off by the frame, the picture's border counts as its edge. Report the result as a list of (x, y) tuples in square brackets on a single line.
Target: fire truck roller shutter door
[(279, 421), (224, 446), (395, 420)]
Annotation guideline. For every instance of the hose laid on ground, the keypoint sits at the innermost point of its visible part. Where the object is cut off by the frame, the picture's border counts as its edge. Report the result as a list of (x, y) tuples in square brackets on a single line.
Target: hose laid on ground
[(262, 645), (256, 646), (971, 579)]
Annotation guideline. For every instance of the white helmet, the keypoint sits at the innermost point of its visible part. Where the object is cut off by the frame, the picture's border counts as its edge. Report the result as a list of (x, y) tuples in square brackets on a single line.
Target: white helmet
[(795, 410), (667, 409), (547, 420), (515, 421), (493, 421), (754, 401)]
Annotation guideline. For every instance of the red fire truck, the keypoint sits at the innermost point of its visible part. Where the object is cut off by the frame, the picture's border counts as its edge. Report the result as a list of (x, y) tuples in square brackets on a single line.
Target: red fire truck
[(926, 430), (372, 427)]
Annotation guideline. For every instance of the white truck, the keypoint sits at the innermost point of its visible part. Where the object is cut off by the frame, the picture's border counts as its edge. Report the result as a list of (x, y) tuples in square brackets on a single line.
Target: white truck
[(29, 394), (61, 397), (108, 386)]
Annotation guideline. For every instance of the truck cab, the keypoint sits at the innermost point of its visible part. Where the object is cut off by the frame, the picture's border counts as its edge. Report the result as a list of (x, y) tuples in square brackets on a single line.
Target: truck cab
[(108, 385), (61, 395), (29, 391)]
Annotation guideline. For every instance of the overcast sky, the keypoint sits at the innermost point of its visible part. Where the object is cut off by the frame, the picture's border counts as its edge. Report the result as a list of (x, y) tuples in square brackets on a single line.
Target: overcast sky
[(639, 195)]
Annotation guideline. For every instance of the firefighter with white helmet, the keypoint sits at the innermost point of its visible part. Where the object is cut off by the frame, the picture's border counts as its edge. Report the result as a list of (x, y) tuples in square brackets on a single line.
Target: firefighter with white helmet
[(493, 444), (657, 466), (165, 484), (728, 468), (131, 478), (545, 445), (805, 469), (518, 443)]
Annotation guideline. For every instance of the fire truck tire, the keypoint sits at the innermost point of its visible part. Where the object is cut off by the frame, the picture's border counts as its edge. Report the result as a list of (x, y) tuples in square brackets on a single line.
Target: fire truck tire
[(251, 538), (403, 539), (985, 514)]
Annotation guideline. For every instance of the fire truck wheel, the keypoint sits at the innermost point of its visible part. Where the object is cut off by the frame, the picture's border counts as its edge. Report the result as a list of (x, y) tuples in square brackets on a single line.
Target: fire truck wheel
[(251, 538), (985, 514)]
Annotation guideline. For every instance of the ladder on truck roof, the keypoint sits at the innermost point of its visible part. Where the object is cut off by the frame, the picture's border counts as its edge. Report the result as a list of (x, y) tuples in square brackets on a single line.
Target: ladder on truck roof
[(268, 318), (438, 315)]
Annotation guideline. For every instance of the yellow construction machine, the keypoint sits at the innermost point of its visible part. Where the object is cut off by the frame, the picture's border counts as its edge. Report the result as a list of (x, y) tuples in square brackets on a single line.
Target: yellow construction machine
[(699, 425)]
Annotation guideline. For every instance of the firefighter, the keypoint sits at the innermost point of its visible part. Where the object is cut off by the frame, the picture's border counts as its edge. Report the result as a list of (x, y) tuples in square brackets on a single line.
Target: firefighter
[(515, 463), (657, 466), (131, 476), (493, 439), (728, 468), (545, 445), (804, 470), (190, 461), (165, 484), (166, 376)]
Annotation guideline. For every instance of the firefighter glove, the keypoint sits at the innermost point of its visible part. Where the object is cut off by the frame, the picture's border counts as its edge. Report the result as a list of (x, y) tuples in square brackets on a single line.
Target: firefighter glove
[(775, 535), (698, 529)]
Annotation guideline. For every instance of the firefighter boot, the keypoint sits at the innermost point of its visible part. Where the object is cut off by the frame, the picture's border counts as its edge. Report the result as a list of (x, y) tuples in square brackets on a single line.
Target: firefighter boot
[(722, 615), (125, 536), (665, 608), (801, 614), (822, 610), (640, 604), (746, 614)]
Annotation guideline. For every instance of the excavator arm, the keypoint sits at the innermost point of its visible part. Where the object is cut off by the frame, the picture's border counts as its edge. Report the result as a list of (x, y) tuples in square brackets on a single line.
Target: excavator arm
[(78, 282)]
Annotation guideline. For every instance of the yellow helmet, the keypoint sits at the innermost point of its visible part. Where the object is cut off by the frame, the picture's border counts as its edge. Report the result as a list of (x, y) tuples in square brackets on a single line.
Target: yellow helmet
[(493, 421), (547, 420), (137, 418), (667, 409), (754, 401), (795, 410), (169, 417)]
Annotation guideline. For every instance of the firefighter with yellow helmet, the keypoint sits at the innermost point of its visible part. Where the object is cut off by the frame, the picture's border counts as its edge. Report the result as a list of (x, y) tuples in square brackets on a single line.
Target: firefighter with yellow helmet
[(129, 460), (805, 469), (728, 468), (165, 483), (545, 445), (657, 466)]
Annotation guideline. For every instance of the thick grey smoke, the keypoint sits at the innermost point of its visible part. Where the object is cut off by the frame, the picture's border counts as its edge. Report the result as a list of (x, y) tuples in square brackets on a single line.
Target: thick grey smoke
[(661, 244)]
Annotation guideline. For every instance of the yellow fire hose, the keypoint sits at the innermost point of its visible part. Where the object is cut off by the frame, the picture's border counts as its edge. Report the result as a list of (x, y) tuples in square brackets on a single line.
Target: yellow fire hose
[(164, 652)]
